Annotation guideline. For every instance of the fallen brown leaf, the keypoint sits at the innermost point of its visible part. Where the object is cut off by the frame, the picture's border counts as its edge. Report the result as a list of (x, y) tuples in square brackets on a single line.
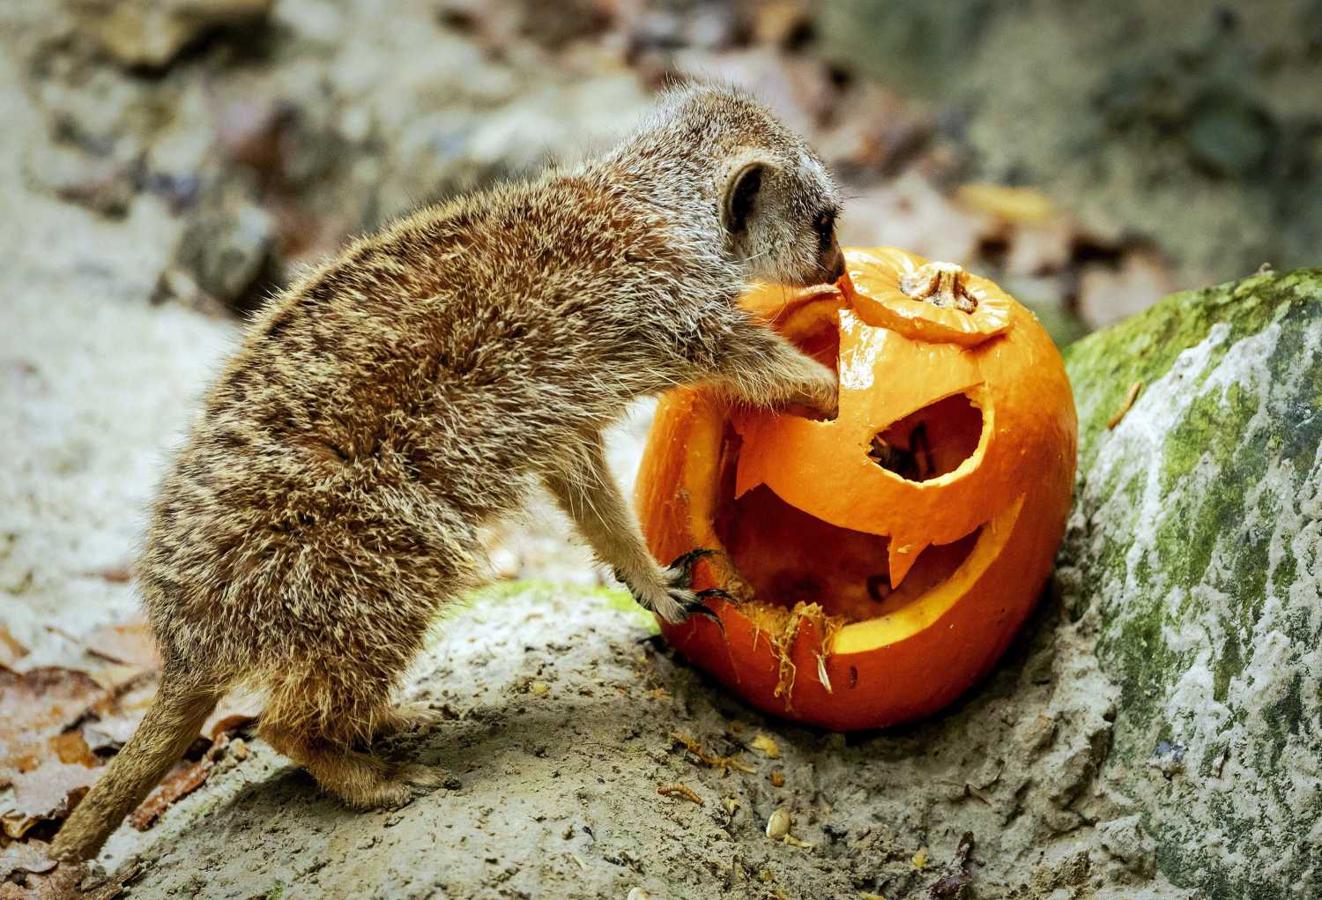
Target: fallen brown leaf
[(192, 775), (1013, 205), (175, 787), (130, 643), (70, 747), (29, 856), (48, 792), (1108, 294), (236, 710), (36, 706), (766, 744)]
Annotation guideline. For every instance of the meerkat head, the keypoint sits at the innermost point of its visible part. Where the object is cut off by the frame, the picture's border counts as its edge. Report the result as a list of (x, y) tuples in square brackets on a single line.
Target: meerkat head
[(764, 195), (778, 212)]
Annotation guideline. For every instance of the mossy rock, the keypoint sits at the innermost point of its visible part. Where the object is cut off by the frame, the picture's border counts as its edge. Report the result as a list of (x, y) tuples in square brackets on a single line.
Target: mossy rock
[(1196, 543)]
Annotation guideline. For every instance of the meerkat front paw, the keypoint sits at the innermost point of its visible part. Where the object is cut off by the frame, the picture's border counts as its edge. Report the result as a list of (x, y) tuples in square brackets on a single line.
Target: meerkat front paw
[(670, 594), (822, 394)]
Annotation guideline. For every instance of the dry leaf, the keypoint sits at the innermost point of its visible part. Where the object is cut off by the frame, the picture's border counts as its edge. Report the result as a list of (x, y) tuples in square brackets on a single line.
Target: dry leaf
[(236, 710), (1012, 205), (130, 643), (48, 792), (767, 745), (29, 856), (910, 212), (1042, 249), (1107, 295), (118, 716), (176, 786), (71, 748), (191, 775), (36, 706)]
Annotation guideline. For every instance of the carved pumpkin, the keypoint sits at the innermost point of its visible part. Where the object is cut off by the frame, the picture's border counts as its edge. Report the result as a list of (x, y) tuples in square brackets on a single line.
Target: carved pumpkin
[(884, 559)]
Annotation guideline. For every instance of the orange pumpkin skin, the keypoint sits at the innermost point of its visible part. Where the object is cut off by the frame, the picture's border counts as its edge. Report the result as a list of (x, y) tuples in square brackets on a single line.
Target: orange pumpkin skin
[(1003, 505)]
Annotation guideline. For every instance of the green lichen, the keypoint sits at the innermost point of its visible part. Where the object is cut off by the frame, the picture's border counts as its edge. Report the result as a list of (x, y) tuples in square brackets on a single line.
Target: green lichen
[(1195, 559), (1144, 347)]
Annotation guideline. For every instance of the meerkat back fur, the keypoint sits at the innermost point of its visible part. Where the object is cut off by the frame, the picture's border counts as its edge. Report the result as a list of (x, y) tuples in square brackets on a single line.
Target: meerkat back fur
[(383, 408)]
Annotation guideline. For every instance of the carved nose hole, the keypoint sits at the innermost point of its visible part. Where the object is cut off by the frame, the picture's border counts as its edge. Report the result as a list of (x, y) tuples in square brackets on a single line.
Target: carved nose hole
[(930, 442)]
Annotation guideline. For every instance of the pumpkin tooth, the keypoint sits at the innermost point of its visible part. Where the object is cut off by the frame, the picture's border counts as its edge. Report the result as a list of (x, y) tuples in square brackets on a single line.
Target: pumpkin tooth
[(900, 559)]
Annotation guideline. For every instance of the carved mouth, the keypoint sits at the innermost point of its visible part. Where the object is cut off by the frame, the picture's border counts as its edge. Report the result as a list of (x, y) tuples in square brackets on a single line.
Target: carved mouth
[(786, 556)]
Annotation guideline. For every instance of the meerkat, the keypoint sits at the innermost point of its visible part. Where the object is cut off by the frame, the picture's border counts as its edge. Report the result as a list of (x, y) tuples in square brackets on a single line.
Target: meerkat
[(327, 502)]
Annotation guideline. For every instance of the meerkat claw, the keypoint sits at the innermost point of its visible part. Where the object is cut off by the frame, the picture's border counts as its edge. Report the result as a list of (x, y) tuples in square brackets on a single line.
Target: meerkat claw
[(680, 569), (699, 605)]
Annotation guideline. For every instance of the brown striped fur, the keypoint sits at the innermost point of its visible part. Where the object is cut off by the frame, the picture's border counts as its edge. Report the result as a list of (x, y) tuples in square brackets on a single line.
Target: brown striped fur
[(385, 406)]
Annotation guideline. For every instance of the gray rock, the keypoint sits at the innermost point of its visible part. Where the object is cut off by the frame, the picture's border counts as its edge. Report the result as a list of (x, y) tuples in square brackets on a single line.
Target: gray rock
[(151, 33), (1196, 543), (227, 244)]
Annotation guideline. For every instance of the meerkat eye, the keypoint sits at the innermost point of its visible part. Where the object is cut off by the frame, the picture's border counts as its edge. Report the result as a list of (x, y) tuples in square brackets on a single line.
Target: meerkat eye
[(824, 224)]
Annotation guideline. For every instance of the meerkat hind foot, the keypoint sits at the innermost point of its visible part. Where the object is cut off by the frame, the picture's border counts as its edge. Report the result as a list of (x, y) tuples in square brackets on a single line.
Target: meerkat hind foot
[(408, 718), (423, 776), (401, 786)]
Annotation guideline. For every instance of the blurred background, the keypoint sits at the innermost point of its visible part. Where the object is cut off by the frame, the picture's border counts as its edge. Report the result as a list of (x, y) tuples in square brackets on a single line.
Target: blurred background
[(1091, 154)]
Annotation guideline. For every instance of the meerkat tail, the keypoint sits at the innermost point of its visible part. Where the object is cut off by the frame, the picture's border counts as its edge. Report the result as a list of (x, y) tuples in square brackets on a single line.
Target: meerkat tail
[(169, 727)]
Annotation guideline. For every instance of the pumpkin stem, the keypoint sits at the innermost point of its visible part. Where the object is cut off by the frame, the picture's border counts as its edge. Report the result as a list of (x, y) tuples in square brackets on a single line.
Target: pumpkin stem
[(941, 284)]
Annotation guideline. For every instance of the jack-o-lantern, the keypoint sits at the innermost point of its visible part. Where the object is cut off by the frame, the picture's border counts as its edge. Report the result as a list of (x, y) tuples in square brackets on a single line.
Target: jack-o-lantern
[(880, 561)]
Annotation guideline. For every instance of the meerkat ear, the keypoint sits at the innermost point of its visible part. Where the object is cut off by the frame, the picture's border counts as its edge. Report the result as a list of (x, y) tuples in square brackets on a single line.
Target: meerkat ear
[(741, 192)]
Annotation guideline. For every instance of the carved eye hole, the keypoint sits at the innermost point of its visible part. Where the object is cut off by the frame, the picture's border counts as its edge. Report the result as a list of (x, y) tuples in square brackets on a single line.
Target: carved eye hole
[(930, 442)]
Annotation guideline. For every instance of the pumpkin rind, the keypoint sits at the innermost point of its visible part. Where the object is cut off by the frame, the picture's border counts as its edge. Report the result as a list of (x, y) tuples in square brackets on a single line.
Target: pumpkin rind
[(1015, 487)]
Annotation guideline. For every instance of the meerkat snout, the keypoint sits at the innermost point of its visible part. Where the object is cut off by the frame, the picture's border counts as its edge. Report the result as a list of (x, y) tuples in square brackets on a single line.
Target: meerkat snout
[(780, 216)]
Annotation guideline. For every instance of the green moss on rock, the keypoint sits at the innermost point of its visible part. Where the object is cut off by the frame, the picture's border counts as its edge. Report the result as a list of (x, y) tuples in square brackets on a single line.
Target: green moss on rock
[(1197, 540)]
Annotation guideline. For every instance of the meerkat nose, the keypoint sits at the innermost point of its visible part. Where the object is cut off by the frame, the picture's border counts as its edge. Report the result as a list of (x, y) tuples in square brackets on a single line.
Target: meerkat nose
[(834, 264)]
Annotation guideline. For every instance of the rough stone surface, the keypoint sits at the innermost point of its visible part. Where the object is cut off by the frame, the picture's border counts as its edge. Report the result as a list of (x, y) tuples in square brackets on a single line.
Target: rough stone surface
[(1197, 544)]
